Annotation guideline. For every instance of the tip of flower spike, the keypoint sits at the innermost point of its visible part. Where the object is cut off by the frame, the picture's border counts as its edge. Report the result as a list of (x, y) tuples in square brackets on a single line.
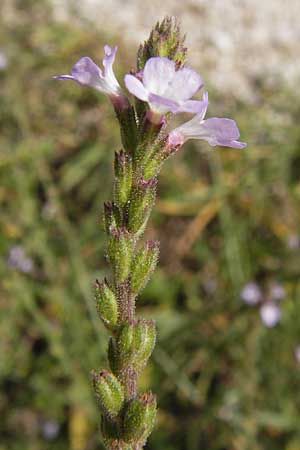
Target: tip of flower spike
[(165, 40)]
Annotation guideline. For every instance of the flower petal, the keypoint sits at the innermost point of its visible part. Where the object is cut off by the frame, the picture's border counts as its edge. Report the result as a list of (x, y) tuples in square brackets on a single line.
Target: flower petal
[(186, 82), (191, 106), (217, 131), (158, 74), (162, 104), (136, 87), (86, 72), (108, 61)]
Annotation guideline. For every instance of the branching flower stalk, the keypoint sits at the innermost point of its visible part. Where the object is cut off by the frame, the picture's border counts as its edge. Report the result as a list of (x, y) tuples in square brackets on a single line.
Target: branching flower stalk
[(162, 85)]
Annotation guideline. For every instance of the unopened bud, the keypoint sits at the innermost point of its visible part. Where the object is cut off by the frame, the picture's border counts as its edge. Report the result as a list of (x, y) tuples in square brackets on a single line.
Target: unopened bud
[(141, 203), (106, 304), (125, 344), (135, 343), (112, 216), (113, 356), (139, 418), (144, 341), (109, 392), (165, 40), (143, 265), (120, 253), (123, 180), (109, 430)]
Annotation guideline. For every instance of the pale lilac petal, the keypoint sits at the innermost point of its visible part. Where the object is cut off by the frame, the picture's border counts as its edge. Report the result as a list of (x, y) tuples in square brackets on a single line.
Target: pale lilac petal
[(87, 73), (158, 74), (217, 131), (64, 77), (185, 83), (162, 104), (84, 72), (190, 106), (136, 87), (270, 314), (108, 61)]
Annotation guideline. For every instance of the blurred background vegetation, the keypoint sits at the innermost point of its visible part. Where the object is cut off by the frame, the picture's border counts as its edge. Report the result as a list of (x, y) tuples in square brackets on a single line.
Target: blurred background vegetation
[(225, 219)]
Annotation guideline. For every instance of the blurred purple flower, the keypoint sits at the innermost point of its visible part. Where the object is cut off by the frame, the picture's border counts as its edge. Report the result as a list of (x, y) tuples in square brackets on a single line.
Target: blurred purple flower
[(276, 292), (87, 73), (270, 314), (216, 131), (3, 61), (17, 259), (293, 241), (165, 88), (50, 429), (251, 293), (297, 353)]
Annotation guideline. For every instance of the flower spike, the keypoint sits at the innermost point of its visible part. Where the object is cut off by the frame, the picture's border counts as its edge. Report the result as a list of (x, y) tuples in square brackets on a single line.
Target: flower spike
[(87, 73), (216, 131), (165, 88)]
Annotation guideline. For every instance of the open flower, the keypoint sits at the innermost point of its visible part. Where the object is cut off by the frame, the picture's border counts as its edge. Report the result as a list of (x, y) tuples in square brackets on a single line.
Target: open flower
[(87, 73), (216, 131), (165, 88)]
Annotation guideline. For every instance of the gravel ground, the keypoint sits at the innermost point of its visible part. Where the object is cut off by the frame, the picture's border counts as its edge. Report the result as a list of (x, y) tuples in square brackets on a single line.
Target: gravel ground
[(235, 42)]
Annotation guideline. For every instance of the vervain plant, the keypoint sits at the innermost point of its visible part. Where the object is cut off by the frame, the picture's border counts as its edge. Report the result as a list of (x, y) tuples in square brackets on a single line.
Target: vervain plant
[(162, 86)]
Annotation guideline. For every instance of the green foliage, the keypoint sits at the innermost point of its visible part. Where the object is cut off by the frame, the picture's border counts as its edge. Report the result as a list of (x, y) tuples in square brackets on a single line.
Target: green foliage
[(223, 380)]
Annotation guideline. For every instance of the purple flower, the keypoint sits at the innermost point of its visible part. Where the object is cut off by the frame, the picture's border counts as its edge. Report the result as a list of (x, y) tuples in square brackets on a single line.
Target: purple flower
[(17, 259), (165, 88), (277, 292), (293, 241), (297, 353), (50, 429), (216, 131), (87, 73), (251, 293), (270, 314), (3, 61)]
